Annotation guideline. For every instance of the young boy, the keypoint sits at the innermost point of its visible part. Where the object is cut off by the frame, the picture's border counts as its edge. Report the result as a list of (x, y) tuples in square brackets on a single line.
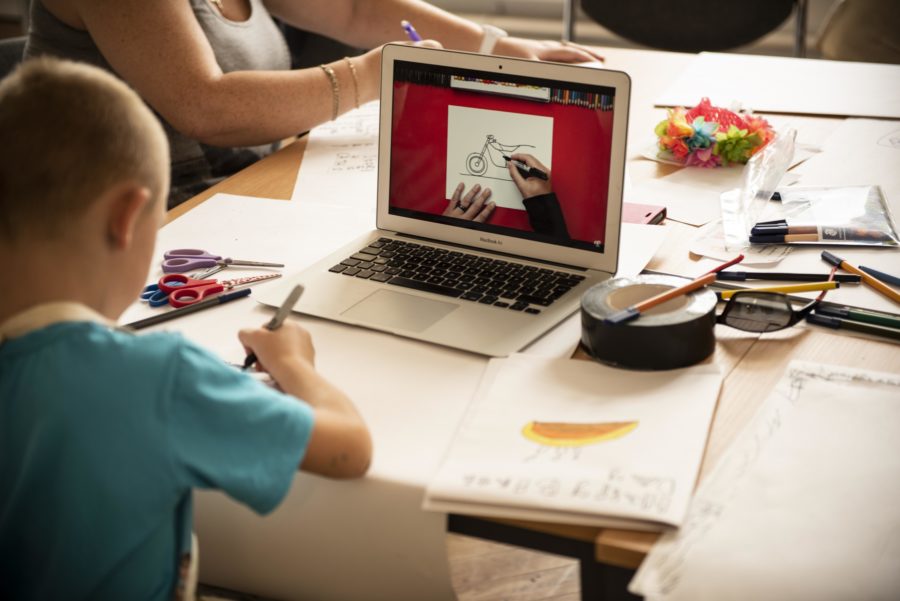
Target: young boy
[(103, 433)]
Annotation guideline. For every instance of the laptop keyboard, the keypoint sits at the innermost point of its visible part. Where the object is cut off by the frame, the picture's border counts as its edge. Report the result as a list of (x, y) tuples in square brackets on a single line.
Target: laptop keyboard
[(474, 278)]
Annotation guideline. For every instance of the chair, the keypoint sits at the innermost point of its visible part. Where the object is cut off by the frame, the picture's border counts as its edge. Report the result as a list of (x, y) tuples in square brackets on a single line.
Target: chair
[(692, 26), (11, 52)]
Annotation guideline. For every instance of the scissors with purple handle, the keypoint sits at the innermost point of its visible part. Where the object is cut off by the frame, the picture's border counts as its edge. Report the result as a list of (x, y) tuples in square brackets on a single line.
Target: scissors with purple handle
[(189, 259)]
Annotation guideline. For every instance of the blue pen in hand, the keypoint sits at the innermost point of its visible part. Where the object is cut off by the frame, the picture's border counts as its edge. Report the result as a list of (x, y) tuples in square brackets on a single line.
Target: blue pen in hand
[(410, 31)]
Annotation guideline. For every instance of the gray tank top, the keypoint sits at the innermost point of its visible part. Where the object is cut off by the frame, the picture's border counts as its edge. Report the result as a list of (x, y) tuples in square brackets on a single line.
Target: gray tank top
[(252, 45)]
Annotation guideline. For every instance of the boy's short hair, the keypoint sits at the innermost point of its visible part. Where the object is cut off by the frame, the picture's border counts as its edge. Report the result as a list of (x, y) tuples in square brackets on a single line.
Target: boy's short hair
[(68, 133)]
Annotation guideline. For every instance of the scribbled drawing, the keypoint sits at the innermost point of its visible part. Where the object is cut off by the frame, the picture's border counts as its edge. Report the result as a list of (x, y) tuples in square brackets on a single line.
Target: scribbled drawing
[(559, 441), (891, 140), (493, 152)]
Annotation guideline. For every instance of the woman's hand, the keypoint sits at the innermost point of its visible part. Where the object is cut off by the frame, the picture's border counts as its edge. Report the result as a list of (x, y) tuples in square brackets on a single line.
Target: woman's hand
[(474, 206), (529, 186), (546, 50), (368, 69)]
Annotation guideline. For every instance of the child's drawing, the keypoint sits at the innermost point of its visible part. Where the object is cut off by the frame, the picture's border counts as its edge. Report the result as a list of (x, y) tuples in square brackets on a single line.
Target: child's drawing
[(563, 440), (477, 140)]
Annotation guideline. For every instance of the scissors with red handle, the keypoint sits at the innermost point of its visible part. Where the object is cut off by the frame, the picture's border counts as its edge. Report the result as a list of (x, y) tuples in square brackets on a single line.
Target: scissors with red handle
[(184, 291), (189, 259)]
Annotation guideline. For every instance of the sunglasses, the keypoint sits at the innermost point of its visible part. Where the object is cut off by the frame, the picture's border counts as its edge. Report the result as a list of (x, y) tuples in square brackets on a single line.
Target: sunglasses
[(760, 312)]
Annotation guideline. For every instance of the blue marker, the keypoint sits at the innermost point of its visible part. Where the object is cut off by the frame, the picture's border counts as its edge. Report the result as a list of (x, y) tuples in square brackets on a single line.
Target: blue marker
[(410, 31)]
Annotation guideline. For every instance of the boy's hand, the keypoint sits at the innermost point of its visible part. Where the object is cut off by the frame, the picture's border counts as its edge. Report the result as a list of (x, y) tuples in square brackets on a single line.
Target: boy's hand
[(280, 349)]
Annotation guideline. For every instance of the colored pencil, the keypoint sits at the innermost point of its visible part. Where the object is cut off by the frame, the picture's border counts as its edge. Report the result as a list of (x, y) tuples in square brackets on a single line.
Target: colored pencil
[(867, 279), (812, 287), (214, 301), (636, 309)]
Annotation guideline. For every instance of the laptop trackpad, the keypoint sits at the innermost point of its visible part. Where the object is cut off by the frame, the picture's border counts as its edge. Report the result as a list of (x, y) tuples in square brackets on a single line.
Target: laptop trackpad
[(396, 310)]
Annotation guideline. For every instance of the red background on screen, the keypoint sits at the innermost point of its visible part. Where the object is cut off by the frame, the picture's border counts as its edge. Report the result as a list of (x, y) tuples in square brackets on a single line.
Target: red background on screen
[(581, 147)]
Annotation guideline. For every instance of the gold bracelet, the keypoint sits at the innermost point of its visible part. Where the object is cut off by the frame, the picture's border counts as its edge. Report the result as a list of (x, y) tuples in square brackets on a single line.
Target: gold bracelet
[(355, 80), (335, 90)]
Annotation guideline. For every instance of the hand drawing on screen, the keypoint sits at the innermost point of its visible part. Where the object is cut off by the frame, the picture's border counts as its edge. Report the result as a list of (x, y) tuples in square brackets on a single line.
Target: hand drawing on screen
[(492, 153), (473, 206)]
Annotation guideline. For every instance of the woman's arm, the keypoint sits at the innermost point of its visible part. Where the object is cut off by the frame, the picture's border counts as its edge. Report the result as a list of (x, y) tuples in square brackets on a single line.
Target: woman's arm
[(369, 23), (161, 51)]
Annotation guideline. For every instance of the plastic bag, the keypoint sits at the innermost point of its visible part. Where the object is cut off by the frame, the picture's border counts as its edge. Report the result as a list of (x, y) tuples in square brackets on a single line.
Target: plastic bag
[(742, 208)]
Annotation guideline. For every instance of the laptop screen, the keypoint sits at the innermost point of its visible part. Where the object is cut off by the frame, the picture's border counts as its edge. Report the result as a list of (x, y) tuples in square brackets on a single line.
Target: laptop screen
[(455, 132)]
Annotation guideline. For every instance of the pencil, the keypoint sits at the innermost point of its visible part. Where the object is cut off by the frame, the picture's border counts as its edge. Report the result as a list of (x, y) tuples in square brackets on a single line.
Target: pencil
[(636, 309), (812, 287), (867, 279), (218, 299)]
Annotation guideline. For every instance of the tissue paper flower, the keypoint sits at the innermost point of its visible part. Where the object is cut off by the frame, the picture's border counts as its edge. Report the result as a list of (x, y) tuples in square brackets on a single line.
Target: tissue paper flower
[(710, 136)]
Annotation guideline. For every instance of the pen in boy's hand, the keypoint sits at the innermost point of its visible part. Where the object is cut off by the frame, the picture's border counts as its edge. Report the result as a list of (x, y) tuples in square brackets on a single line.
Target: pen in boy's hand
[(283, 311), (410, 31)]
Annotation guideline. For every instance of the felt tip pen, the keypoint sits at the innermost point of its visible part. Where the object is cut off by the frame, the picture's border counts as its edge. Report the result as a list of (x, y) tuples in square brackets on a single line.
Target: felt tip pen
[(884, 277), (878, 318), (283, 311), (410, 31), (774, 230), (869, 280), (783, 239), (743, 276), (812, 287), (636, 309), (525, 170), (836, 323), (219, 299)]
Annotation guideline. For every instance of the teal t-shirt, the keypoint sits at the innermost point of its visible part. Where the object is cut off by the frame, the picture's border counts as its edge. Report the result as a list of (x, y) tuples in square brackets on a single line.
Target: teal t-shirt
[(103, 434)]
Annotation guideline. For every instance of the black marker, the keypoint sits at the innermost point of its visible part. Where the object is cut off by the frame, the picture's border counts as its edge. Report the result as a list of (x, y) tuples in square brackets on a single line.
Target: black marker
[(283, 311), (525, 170)]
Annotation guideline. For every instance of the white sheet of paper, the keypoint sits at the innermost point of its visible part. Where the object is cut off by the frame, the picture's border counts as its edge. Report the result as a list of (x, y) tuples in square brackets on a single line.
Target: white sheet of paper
[(340, 163), (710, 242), (477, 139), (257, 229), (802, 506), (579, 442), (788, 85), (691, 195), (859, 151)]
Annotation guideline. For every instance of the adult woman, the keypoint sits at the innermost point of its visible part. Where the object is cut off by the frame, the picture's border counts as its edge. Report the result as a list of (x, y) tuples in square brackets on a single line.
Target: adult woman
[(217, 71)]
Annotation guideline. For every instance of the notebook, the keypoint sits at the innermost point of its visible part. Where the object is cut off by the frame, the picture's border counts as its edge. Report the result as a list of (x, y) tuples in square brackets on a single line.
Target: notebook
[(440, 266)]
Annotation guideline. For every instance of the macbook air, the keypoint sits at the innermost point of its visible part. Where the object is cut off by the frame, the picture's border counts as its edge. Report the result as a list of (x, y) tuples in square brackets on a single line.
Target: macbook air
[(469, 252)]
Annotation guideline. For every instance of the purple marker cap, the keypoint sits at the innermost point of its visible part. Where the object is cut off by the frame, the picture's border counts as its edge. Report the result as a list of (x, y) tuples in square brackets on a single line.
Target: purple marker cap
[(410, 31)]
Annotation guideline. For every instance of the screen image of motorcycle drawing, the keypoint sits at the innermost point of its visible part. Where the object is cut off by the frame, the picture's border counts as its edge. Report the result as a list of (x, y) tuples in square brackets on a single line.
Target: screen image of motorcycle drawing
[(479, 139)]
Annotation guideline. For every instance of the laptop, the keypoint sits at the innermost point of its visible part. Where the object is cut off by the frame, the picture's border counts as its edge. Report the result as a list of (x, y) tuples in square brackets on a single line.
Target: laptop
[(449, 262)]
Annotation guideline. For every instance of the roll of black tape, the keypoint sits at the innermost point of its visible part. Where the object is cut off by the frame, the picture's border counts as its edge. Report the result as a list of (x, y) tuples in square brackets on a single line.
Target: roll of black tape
[(674, 334)]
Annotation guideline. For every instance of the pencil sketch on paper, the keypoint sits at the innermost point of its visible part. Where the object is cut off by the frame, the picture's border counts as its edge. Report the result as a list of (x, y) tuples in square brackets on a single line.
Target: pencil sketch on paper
[(891, 140), (492, 153), (564, 440), (477, 141)]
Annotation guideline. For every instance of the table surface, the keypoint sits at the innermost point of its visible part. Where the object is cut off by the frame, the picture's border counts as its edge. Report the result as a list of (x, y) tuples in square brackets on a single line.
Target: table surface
[(751, 365)]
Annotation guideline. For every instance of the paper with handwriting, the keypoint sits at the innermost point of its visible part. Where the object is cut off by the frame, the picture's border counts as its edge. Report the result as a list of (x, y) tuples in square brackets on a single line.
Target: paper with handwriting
[(340, 163), (579, 442), (802, 506)]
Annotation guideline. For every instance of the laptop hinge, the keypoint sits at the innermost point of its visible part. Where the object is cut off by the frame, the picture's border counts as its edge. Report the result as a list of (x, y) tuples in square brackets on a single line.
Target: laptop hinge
[(491, 252)]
